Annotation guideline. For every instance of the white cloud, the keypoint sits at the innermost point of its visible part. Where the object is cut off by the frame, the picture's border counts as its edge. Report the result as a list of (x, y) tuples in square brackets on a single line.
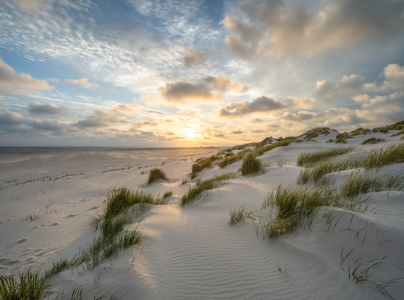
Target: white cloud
[(15, 84), (82, 83), (393, 80)]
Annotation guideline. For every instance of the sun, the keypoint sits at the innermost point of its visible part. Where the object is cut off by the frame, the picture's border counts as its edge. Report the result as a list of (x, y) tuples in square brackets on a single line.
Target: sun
[(190, 133)]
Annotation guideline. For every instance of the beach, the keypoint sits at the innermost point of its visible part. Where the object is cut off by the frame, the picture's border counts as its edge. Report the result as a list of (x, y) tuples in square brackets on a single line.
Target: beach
[(191, 251)]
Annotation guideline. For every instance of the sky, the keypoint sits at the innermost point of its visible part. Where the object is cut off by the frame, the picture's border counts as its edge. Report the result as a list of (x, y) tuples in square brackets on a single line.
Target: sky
[(185, 73)]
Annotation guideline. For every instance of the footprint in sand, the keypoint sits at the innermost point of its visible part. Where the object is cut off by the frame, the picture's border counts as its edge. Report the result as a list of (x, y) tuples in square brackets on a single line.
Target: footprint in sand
[(22, 241), (70, 216), (94, 207), (54, 224)]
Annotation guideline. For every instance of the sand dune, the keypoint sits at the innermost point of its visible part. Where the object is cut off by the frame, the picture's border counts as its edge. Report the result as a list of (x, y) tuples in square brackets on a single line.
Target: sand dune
[(191, 252)]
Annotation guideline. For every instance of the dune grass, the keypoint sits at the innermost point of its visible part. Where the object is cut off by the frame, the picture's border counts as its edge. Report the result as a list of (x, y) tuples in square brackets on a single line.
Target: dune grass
[(156, 174), (372, 141), (398, 133), (119, 200), (228, 154), (203, 163), (28, 285), (30, 218), (238, 214), (297, 206), (204, 185), (293, 205), (375, 158), (250, 164), (309, 158), (227, 161), (360, 182), (167, 194)]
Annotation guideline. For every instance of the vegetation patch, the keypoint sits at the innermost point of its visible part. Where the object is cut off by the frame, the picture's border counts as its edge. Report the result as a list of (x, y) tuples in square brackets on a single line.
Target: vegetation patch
[(398, 133), (156, 174), (203, 163), (372, 141), (360, 131), (375, 158), (360, 182), (250, 164), (309, 158), (227, 161), (239, 214), (204, 185), (315, 132), (342, 137)]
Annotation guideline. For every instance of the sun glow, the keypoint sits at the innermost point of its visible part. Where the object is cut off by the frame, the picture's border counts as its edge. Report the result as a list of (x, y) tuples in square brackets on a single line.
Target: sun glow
[(190, 133)]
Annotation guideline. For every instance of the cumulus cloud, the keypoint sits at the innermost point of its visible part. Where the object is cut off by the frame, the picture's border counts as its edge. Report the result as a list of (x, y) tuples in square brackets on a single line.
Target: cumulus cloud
[(153, 123), (271, 27), (236, 132), (48, 125), (300, 116), (206, 89), (82, 83), (348, 85), (391, 102), (264, 104), (8, 118), (393, 80), (15, 84), (46, 109), (194, 58), (99, 119)]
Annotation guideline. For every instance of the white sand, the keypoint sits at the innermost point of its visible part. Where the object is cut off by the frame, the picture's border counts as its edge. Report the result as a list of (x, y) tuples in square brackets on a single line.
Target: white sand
[(192, 252)]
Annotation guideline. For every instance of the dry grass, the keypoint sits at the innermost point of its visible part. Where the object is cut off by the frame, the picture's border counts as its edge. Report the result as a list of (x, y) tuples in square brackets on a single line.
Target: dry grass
[(203, 163), (227, 161)]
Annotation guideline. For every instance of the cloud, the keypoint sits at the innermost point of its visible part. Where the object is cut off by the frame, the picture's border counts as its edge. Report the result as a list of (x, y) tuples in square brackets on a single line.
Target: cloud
[(348, 85), (153, 123), (236, 132), (391, 102), (82, 83), (15, 84), (30, 5), (393, 80), (300, 116), (47, 109), (9, 118), (99, 119), (264, 104), (194, 58), (206, 89), (48, 125), (268, 27)]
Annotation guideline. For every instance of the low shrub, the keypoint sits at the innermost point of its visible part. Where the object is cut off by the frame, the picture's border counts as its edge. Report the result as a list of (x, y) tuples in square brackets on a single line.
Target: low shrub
[(156, 174)]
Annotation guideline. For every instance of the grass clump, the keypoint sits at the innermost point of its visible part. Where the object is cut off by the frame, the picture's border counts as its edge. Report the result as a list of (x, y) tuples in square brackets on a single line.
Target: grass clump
[(184, 181), (203, 163), (156, 174), (293, 205), (120, 200), (342, 138), (360, 131), (375, 158), (309, 158), (30, 218), (167, 194), (360, 182), (315, 132), (229, 154), (261, 150), (30, 285), (372, 141), (250, 164), (398, 133), (227, 161), (204, 185), (238, 214)]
